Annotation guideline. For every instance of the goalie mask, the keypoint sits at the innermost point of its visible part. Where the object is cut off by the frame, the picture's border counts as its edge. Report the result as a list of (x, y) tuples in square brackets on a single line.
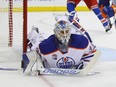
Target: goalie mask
[(62, 32)]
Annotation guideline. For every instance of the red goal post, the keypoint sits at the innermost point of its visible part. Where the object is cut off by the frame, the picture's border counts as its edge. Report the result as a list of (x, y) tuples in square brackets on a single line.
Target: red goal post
[(13, 30)]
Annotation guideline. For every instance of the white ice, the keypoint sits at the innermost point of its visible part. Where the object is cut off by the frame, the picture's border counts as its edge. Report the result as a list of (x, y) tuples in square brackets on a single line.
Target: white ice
[(106, 64)]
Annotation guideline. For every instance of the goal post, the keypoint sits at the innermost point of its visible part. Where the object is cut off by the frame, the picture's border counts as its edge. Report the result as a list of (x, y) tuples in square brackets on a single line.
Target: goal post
[(13, 32), (25, 26)]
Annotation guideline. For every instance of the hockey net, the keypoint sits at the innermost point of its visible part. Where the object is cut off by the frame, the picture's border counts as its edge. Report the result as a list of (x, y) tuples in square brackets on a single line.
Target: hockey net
[(13, 32)]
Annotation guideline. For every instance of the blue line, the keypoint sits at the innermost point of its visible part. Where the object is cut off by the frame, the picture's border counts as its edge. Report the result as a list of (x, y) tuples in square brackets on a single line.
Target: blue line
[(8, 69), (107, 54)]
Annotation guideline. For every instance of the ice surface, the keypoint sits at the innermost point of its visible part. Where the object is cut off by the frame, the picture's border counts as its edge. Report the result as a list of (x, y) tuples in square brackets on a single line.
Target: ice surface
[(106, 64)]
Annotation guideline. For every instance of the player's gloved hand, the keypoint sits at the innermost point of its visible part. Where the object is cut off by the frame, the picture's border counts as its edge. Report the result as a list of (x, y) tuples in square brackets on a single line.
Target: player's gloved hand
[(73, 16)]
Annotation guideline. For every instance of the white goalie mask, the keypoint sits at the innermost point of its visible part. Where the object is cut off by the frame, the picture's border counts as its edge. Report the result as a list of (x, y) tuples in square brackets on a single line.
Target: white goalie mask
[(62, 32)]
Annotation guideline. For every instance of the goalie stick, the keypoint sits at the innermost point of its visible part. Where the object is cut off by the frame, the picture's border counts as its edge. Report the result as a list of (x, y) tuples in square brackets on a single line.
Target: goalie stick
[(84, 71), (114, 20)]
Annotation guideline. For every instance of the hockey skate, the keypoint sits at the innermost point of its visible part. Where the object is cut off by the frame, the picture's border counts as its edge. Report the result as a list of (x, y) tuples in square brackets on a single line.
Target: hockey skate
[(108, 30)]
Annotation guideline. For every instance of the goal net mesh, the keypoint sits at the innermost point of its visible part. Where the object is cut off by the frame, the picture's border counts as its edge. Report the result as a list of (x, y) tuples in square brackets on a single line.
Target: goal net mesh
[(11, 32)]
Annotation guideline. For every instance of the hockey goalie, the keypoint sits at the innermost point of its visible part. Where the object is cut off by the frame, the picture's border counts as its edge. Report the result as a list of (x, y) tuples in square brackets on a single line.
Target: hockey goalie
[(61, 53)]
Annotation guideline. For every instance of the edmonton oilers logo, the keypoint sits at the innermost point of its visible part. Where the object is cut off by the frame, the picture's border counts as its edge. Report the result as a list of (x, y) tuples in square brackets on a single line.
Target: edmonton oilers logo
[(65, 62)]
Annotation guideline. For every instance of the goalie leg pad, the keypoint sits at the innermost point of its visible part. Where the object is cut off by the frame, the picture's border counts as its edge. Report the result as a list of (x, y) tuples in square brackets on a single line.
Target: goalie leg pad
[(29, 59), (25, 62)]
